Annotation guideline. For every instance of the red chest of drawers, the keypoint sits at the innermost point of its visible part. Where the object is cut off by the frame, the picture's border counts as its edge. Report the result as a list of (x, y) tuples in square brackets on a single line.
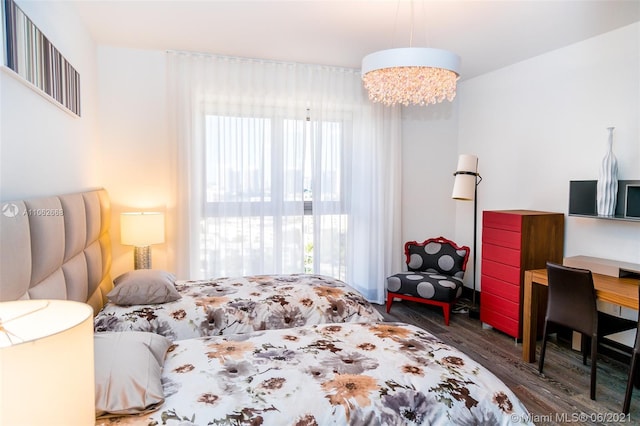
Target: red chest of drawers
[(514, 241)]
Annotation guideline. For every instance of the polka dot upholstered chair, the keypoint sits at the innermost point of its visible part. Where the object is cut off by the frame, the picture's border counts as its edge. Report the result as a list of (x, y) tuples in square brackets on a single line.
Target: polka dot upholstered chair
[(435, 271)]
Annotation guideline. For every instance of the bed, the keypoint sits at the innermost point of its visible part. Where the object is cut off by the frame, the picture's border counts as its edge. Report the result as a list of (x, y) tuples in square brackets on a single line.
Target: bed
[(69, 234), (335, 373), (328, 374), (242, 304)]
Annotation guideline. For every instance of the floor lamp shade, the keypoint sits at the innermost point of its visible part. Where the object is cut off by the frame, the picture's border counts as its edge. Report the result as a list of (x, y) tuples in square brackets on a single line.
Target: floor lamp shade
[(464, 186), (46, 363)]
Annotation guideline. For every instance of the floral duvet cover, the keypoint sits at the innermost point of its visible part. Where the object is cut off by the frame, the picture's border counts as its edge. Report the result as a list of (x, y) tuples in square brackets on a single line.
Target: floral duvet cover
[(332, 374), (239, 305)]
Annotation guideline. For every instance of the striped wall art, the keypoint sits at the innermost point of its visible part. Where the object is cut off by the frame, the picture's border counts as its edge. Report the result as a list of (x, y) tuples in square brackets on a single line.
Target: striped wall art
[(32, 56)]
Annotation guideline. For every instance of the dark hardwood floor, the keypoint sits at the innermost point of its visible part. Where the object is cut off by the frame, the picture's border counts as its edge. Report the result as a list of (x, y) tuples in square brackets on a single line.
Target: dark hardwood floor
[(560, 395)]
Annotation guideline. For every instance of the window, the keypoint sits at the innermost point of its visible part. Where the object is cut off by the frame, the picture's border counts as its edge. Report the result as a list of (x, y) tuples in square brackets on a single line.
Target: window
[(274, 196), (243, 147)]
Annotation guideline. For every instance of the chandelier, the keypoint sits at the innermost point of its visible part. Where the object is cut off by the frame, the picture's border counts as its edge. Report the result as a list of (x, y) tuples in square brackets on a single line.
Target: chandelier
[(411, 75)]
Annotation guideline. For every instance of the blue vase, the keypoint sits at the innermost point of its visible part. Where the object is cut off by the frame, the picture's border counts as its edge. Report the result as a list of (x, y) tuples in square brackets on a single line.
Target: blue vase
[(607, 190)]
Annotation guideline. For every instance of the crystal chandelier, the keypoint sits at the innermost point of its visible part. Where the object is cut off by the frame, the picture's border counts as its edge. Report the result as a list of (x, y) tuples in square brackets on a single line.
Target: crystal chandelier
[(411, 75)]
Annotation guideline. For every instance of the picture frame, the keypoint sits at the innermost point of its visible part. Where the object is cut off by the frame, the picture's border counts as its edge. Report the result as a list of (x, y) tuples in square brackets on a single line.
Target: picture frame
[(632, 201), (31, 55)]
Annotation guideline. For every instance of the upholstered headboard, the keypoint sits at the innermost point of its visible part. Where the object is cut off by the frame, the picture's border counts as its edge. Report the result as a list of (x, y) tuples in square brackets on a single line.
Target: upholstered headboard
[(56, 248)]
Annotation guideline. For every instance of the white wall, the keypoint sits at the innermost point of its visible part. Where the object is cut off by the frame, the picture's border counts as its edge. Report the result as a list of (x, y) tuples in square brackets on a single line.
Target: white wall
[(45, 150), (429, 157), (540, 123), (135, 164)]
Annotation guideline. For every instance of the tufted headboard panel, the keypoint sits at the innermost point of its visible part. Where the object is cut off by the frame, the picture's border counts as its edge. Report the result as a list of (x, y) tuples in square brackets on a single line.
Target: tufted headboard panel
[(56, 248)]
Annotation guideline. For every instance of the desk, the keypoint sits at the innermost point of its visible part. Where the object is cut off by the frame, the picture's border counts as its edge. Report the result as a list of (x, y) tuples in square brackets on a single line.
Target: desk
[(620, 291)]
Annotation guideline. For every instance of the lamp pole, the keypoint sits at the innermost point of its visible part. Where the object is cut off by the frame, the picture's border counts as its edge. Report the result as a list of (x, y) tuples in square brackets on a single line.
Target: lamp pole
[(474, 312), (467, 175)]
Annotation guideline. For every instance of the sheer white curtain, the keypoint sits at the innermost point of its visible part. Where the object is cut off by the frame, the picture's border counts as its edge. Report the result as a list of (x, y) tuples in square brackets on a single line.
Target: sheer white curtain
[(283, 168)]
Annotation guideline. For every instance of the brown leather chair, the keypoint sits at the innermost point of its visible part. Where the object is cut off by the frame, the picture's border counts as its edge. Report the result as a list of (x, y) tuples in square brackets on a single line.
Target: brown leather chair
[(572, 304), (633, 373)]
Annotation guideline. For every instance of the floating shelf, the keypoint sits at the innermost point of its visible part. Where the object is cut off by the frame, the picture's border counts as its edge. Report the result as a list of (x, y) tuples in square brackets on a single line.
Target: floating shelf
[(582, 200)]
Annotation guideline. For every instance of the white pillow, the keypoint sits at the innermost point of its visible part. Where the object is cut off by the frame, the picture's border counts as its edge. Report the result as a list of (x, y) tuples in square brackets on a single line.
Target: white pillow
[(128, 368), (144, 287)]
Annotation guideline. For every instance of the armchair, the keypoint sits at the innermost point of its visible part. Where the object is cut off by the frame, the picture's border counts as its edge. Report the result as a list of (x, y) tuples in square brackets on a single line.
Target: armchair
[(435, 268)]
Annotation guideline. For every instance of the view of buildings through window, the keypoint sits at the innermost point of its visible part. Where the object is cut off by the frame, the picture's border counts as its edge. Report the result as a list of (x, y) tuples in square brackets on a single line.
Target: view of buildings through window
[(273, 192)]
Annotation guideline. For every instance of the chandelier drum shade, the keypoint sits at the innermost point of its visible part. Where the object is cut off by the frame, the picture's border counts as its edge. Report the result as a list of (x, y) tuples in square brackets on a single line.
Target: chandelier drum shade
[(411, 75)]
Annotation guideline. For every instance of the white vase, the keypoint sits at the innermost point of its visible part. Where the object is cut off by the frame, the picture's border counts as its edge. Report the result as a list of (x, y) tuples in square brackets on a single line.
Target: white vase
[(607, 190)]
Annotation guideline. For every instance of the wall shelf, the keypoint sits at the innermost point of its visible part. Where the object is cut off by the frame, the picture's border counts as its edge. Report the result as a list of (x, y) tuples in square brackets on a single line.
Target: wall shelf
[(582, 200)]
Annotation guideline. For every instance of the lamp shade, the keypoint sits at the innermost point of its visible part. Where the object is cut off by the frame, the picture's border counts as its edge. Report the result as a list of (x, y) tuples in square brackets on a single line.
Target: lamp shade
[(141, 229), (46, 363), (411, 57), (411, 75), (466, 174)]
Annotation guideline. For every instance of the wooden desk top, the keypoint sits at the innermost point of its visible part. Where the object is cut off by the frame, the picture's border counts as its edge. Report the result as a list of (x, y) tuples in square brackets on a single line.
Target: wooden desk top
[(620, 291)]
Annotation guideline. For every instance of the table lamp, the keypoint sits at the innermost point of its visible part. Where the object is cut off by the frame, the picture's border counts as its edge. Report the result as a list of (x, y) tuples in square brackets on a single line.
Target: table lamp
[(46, 363), (465, 187), (142, 229)]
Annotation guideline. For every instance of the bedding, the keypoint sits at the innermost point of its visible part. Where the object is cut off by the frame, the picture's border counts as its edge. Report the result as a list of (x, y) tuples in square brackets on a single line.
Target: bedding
[(340, 374), (243, 304)]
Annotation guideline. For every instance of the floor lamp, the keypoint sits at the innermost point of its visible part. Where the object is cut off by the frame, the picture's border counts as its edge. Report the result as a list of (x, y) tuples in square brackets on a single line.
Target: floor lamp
[(465, 187)]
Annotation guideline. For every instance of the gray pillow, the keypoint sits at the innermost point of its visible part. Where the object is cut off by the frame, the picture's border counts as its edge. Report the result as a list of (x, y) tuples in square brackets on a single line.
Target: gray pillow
[(144, 287), (128, 367)]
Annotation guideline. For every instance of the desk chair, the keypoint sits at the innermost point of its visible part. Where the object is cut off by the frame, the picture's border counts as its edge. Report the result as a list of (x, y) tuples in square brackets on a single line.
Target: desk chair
[(633, 373), (572, 304)]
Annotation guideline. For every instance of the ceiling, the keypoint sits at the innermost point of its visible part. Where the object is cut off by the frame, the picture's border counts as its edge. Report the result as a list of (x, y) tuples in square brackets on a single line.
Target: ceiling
[(486, 34)]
